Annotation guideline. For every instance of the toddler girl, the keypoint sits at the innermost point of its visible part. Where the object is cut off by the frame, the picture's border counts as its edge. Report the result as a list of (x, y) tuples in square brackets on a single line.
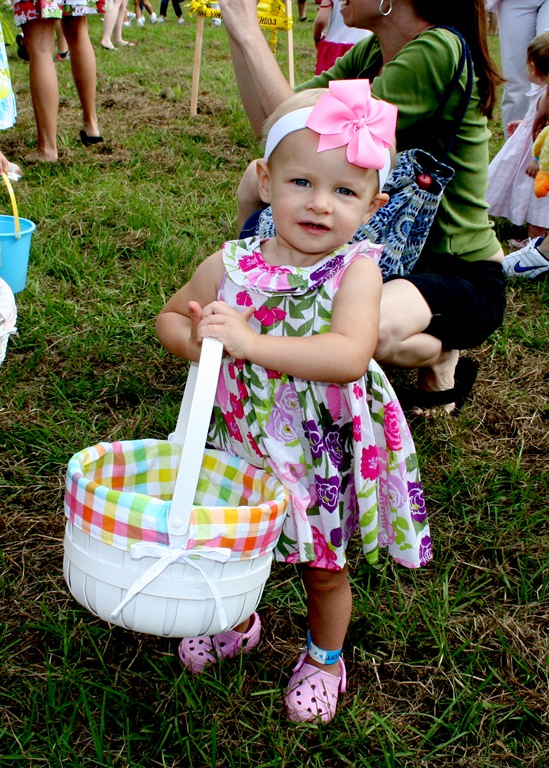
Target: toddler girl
[(513, 170), (298, 392)]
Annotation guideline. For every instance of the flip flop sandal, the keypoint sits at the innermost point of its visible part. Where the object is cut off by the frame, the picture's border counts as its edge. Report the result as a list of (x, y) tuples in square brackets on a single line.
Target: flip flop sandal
[(465, 377), (88, 141), (312, 694), (197, 653)]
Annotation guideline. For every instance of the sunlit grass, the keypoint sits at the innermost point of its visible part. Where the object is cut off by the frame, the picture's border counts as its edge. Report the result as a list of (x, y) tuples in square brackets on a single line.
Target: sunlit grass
[(447, 666)]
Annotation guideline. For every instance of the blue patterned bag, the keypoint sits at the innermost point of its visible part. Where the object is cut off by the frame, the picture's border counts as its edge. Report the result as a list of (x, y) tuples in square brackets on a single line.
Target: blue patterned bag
[(415, 186)]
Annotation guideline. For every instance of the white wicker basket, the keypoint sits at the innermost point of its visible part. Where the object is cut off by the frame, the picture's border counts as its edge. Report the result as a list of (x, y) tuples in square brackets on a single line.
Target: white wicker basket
[(170, 580), (8, 317)]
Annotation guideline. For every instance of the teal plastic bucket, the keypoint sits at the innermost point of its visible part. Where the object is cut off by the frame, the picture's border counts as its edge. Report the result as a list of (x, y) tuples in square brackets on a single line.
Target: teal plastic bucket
[(14, 251)]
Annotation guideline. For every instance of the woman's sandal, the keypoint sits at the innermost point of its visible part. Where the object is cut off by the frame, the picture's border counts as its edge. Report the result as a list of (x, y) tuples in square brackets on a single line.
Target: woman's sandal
[(89, 141), (312, 694), (465, 377), (197, 653)]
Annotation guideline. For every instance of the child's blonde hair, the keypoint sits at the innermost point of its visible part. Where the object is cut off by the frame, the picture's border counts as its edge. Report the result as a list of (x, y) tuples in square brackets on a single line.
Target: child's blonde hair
[(538, 52), (301, 100), (307, 98)]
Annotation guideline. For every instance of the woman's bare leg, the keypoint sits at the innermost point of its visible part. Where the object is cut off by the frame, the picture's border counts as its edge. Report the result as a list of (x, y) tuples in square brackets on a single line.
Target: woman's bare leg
[(39, 41), (84, 69), (110, 18)]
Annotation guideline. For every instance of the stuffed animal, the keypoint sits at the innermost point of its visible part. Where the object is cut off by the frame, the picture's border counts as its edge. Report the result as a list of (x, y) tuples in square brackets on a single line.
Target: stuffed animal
[(540, 150)]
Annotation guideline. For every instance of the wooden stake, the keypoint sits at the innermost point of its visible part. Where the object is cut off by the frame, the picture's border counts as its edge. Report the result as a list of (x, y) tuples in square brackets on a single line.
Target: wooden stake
[(290, 33), (197, 63)]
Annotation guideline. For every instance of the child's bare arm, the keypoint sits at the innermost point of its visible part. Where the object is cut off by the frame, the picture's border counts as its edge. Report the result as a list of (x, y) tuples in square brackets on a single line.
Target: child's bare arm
[(322, 19), (532, 168), (341, 355), (178, 320)]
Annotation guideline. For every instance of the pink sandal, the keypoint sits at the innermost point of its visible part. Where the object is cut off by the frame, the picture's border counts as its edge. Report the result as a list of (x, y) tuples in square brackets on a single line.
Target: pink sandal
[(312, 694), (197, 653)]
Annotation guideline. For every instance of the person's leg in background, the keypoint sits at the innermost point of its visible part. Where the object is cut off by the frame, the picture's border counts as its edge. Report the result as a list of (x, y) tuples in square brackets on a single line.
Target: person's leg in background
[(517, 21), (39, 42), (110, 18), (84, 72)]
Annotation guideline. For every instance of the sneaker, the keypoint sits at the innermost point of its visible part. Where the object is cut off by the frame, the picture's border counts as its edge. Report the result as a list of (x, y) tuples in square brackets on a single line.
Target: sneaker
[(141, 22), (127, 23), (130, 15), (181, 20), (527, 262), (160, 20), (153, 17), (217, 22)]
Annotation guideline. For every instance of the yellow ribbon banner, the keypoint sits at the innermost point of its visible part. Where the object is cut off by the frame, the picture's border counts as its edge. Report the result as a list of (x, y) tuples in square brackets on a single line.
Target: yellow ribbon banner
[(271, 13)]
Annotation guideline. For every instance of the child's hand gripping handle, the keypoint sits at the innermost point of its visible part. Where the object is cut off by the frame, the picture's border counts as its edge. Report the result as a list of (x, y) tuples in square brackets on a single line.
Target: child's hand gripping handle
[(191, 432)]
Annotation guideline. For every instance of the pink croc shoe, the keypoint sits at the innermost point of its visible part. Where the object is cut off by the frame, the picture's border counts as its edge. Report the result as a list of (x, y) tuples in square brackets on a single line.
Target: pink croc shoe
[(312, 694), (197, 653)]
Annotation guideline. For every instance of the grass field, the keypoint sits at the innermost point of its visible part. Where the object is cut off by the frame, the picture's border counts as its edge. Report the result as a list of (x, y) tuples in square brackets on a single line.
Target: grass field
[(447, 667)]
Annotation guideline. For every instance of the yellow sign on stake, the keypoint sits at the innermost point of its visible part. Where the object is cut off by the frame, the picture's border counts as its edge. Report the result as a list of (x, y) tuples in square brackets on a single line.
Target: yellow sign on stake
[(273, 15)]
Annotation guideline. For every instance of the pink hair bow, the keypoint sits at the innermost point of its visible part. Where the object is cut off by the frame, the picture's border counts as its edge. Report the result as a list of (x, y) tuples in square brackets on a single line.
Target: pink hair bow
[(348, 115)]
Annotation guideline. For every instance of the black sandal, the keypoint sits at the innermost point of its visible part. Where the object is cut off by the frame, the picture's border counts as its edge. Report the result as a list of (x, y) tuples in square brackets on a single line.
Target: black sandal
[(465, 377), (87, 141)]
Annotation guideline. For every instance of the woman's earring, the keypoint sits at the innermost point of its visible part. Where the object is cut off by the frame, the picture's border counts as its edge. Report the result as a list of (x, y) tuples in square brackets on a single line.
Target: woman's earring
[(389, 9)]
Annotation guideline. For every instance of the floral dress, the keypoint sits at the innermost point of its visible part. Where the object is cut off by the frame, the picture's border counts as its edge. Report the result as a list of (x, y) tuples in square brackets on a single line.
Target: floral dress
[(30, 10), (345, 452)]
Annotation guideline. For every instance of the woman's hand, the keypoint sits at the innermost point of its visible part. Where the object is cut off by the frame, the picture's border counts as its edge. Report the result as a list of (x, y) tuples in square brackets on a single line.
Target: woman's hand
[(4, 163), (239, 16), (226, 324)]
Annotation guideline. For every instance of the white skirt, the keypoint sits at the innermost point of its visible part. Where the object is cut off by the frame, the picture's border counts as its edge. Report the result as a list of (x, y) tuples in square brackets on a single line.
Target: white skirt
[(510, 191)]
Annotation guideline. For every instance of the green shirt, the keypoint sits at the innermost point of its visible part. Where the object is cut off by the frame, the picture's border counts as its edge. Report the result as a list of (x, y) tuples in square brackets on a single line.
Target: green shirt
[(416, 80)]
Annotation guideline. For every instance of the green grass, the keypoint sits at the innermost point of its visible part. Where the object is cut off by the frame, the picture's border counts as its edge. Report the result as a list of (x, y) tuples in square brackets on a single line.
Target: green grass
[(447, 667)]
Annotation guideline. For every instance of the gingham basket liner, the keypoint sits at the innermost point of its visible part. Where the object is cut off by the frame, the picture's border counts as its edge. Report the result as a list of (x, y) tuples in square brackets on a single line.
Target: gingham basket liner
[(120, 493)]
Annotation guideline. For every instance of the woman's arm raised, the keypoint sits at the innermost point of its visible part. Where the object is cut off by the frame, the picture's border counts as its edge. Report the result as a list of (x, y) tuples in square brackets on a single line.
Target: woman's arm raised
[(260, 80)]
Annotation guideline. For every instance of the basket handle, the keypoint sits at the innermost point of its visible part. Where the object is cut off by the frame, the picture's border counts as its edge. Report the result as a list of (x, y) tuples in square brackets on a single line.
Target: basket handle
[(7, 182), (191, 431)]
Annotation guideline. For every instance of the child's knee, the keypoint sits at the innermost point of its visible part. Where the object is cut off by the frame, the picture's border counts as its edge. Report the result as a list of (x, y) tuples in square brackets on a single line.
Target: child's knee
[(322, 580)]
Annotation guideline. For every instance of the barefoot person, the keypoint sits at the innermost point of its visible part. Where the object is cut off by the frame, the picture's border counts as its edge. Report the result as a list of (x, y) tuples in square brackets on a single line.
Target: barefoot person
[(455, 297)]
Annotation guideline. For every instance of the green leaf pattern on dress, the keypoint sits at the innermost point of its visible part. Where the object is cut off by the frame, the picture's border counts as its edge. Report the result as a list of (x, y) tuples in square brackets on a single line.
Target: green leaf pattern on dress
[(344, 451)]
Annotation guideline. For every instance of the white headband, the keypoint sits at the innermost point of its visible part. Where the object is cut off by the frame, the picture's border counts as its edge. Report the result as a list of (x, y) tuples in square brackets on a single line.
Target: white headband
[(296, 121)]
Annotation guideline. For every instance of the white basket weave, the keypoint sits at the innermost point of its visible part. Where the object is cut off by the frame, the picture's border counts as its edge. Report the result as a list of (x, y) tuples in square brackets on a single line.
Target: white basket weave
[(176, 589), (8, 317)]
